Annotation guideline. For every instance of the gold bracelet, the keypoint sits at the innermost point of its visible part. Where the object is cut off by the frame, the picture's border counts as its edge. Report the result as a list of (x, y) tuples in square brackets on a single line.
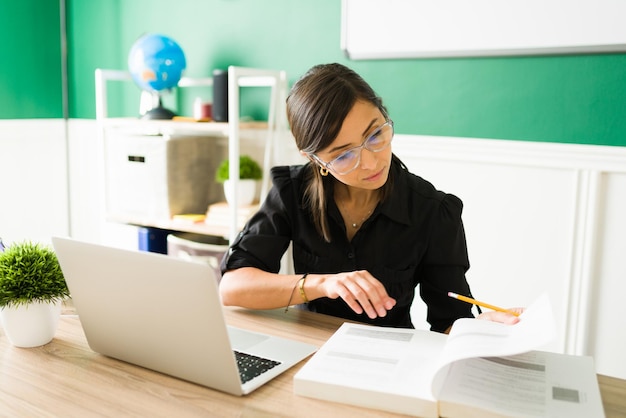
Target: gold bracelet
[(291, 295), (301, 287), (299, 283)]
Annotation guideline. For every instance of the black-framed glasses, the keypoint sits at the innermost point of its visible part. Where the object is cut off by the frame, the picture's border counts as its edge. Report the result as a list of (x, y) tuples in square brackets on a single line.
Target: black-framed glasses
[(350, 159)]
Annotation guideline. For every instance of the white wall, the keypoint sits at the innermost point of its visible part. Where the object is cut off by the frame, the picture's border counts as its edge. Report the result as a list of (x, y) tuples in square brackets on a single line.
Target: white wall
[(33, 180), (606, 335), (37, 201), (87, 189)]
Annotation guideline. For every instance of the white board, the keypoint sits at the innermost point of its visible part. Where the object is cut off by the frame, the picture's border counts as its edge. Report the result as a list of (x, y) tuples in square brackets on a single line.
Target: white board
[(384, 29)]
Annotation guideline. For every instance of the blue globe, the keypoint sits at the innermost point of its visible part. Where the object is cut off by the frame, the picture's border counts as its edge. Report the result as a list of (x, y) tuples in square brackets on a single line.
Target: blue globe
[(156, 62)]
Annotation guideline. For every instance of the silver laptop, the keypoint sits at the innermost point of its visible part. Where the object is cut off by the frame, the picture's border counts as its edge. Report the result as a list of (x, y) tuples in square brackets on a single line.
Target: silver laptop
[(165, 314)]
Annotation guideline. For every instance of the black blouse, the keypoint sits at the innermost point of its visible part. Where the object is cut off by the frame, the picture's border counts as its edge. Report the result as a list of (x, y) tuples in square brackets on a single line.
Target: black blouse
[(414, 237)]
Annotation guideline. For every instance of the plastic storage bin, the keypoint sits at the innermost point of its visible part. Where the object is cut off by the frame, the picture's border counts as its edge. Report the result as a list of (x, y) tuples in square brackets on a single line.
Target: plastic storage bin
[(199, 248), (152, 239)]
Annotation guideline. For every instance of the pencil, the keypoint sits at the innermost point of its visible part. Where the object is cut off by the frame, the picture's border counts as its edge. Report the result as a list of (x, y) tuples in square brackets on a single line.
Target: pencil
[(483, 304)]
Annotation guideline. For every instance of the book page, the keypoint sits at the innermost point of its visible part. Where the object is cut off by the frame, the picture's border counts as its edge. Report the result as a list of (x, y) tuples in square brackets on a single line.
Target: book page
[(533, 384), (385, 359), (478, 338), (471, 338), (493, 370)]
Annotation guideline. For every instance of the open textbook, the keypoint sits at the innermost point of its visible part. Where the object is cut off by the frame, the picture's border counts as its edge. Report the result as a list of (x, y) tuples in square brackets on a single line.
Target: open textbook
[(482, 369)]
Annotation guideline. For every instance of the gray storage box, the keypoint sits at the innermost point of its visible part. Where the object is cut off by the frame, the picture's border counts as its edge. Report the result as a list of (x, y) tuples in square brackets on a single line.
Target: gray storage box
[(156, 177)]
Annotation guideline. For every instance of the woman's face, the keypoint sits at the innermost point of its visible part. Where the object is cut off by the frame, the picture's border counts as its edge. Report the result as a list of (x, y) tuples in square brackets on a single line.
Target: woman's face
[(363, 120)]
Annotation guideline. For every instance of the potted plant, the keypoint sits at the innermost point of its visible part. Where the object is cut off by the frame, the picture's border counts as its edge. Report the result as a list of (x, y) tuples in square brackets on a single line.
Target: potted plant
[(32, 289), (249, 174)]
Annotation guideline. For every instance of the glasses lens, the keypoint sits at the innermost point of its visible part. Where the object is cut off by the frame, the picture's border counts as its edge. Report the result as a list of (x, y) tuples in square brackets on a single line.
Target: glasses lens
[(380, 139), (346, 161)]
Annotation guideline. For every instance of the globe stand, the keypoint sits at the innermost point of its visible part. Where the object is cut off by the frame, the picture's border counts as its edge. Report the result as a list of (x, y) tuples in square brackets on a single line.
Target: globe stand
[(158, 111)]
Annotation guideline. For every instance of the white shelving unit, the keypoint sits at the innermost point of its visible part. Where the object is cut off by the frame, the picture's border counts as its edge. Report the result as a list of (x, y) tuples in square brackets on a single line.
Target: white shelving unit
[(238, 77)]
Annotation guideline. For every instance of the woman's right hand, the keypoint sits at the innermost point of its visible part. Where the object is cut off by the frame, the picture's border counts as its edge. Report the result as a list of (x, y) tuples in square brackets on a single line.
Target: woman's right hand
[(359, 289)]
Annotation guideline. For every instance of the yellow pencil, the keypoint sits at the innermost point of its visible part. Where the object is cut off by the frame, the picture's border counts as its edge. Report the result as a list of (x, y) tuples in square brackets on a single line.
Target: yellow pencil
[(483, 304)]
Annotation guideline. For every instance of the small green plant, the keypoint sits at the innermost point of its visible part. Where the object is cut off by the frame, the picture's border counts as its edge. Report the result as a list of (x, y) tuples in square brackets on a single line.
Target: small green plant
[(30, 272), (248, 169)]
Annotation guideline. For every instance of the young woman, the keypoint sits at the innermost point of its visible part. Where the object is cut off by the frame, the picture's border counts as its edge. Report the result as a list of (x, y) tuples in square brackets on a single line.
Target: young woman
[(365, 231)]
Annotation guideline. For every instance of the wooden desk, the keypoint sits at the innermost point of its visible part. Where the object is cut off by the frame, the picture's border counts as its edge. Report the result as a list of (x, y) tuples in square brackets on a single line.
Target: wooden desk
[(66, 378)]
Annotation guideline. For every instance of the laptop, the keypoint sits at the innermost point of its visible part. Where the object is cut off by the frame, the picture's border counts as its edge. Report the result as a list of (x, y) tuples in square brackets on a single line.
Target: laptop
[(165, 314)]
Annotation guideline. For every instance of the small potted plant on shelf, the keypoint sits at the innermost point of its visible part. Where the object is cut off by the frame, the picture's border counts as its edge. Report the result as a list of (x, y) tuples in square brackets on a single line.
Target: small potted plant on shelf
[(249, 174), (32, 290)]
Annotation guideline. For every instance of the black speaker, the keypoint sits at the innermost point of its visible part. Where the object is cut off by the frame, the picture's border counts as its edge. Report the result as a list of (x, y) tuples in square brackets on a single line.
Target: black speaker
[(220, 96)]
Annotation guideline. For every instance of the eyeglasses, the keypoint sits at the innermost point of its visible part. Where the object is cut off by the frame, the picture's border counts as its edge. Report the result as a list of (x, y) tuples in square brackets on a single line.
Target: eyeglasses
[(349, 160)]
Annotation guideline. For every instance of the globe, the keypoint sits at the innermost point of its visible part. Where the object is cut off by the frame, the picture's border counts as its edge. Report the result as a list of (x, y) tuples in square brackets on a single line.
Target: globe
[(156, 62)]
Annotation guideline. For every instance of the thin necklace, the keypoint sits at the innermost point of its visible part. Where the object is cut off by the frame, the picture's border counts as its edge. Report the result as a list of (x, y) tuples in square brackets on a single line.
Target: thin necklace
[(356, 225)]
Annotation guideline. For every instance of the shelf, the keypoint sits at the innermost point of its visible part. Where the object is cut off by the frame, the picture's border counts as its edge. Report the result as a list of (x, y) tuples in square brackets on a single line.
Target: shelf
[(198, 228), (216, 222), (238, 77), (169, 127)]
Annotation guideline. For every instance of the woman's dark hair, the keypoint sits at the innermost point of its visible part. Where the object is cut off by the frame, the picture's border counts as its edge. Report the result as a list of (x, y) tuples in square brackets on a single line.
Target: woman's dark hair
[(316, 108)]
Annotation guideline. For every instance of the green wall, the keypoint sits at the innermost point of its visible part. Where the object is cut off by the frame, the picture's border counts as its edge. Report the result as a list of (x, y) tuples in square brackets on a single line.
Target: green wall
[(30, 59), (574, 99)]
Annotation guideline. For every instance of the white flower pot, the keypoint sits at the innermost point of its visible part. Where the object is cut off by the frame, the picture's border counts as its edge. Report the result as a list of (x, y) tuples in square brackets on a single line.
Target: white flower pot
[(246, 192), (31, 325)]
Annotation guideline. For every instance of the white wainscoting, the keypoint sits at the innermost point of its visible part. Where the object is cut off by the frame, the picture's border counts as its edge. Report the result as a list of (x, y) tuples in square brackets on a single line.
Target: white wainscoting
[(33, 180), (539, 217), (87, 189)]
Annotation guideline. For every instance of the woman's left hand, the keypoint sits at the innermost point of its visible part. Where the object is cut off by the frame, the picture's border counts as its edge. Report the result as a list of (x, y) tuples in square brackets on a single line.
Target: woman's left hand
[(503, 317)]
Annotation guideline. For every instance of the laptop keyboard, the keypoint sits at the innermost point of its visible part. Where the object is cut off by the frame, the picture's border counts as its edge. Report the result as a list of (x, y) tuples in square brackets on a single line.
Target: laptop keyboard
[(252, 366)]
